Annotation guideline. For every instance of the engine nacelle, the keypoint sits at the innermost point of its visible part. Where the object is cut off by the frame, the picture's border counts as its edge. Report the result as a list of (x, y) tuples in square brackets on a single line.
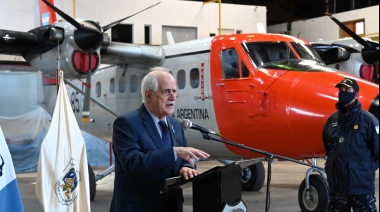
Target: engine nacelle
[(68, 56)]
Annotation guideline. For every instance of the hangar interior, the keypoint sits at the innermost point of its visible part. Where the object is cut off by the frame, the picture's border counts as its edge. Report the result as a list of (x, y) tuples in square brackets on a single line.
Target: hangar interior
[(143, 40), (296, 17)]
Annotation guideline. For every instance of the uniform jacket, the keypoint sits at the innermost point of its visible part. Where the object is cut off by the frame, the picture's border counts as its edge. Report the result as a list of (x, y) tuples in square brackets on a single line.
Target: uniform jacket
[(352, 147), (142, 164)]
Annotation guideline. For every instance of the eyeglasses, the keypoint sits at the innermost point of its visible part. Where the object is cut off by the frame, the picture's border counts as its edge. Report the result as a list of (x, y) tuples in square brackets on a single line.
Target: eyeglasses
[(166, 92)]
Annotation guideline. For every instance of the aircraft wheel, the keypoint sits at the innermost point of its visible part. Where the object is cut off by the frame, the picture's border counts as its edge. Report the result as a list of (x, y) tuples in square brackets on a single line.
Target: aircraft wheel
[(92, 183), (253, 177), (319, 194)]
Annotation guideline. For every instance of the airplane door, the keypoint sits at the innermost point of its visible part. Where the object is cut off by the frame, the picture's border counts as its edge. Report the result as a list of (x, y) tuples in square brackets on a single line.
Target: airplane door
[(234, 90)]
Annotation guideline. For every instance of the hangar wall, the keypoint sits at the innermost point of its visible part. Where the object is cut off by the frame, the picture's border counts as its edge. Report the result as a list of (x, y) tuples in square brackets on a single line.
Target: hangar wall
[(18, 15), (324, 28)]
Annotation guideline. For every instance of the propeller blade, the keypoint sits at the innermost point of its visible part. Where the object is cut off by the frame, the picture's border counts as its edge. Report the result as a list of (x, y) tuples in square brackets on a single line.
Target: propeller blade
[(107, 27), (87, 94), (86, 101), (351, 33), (64, 15)]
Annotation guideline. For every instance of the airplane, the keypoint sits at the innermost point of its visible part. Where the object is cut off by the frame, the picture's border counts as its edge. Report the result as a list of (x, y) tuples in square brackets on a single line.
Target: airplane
[(355, 55), (267, 91)]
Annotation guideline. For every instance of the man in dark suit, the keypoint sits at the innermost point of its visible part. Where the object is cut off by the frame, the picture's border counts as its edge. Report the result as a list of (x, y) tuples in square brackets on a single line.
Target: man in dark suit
[(150, 146)]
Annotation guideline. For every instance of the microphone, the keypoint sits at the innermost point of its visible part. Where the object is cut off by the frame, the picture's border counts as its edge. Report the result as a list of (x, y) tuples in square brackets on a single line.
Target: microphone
[(188, 124)]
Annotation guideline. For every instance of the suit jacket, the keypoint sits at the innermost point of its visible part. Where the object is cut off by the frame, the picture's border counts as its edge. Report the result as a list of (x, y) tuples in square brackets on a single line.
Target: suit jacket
[(142, 163)]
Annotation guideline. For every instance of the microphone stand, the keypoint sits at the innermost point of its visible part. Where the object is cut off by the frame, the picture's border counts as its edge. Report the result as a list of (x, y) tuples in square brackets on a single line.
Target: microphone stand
[(269, 155)]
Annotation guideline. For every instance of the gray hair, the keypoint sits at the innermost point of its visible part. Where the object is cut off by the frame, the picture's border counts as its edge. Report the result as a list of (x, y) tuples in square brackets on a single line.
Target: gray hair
[(150, 81)]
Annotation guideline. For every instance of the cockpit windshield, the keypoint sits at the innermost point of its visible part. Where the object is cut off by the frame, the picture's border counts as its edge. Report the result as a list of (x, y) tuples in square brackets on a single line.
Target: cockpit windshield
[(262, 53), (307, 52)]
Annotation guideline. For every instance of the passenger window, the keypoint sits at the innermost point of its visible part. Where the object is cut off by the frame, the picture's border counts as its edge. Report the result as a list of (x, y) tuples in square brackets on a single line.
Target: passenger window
[(98, 89), (230, 62), (112, 85), (122, 84), (181, 79), (194, 78), (133, 84)]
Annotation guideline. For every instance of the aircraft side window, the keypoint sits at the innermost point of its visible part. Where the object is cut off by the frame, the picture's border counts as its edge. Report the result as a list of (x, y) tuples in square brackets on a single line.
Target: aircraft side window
[(181, 79), (230, 61), (98, 89), (194, 78), (133, 84), (122, 85), (112, 85)]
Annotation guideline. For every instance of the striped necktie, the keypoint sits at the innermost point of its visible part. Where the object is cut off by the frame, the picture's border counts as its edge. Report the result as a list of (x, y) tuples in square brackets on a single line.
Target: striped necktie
[(165, 134)]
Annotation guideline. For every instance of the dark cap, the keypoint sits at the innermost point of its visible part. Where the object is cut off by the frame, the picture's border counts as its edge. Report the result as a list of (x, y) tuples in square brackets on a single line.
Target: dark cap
[(351, 83)]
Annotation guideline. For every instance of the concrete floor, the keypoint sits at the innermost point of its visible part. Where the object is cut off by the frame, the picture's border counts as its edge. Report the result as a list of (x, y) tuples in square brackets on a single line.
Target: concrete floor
[(286, 178)]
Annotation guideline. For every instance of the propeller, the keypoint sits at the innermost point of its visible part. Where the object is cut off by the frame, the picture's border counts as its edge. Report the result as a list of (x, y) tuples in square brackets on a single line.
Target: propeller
[(370, 52), (89, 36)]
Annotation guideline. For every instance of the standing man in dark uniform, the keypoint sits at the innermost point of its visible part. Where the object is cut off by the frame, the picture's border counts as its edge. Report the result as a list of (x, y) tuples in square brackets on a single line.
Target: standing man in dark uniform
[(150, 146), (351, 142)]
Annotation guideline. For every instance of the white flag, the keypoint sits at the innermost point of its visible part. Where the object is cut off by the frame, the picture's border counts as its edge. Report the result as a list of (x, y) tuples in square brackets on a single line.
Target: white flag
[(10, 199), (62, 177)]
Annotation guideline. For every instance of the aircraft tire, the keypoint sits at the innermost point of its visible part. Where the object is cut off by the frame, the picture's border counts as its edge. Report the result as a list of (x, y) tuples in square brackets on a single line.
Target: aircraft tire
[(92, 182), (253, 177), (319, 194)]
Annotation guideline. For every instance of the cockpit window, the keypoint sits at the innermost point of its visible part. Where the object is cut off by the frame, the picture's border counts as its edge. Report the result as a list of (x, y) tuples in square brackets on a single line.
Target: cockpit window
[(266, 52), (230, 62), (230, 65)]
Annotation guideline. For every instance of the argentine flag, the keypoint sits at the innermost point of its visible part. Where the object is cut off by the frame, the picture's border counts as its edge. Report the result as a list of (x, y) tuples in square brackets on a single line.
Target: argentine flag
[(10, 199)]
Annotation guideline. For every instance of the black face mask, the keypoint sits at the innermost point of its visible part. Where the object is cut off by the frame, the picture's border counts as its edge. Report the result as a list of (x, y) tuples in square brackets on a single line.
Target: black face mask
[(346, 97)]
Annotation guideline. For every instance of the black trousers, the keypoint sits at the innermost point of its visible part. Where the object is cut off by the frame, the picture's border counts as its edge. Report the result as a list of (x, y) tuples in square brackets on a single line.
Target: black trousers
[(341, 202)]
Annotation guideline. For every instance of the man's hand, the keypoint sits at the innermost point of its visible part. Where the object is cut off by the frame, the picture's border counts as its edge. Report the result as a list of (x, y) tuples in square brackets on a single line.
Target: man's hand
[(188, 173), (189, 154)]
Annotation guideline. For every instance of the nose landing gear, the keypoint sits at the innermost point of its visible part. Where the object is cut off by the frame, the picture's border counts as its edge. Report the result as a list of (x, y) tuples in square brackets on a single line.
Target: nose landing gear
[(313, 194)]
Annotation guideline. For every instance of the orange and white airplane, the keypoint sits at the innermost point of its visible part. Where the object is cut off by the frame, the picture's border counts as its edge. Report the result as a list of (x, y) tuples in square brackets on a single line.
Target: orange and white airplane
[(266, 91)]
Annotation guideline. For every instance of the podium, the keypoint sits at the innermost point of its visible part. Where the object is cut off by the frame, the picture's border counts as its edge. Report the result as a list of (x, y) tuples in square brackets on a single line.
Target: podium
[(218, 189)]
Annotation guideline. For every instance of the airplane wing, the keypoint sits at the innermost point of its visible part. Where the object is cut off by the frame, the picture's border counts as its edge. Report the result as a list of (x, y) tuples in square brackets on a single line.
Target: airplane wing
[(117, 53), (15, 63), (14, 44)]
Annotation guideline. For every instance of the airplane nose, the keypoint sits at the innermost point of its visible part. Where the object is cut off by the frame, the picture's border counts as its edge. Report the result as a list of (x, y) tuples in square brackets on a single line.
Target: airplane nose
[(374, 108)]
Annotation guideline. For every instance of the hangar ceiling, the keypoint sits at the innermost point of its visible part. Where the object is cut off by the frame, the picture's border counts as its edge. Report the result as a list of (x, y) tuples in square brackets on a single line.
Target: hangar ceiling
[(282, 11)]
